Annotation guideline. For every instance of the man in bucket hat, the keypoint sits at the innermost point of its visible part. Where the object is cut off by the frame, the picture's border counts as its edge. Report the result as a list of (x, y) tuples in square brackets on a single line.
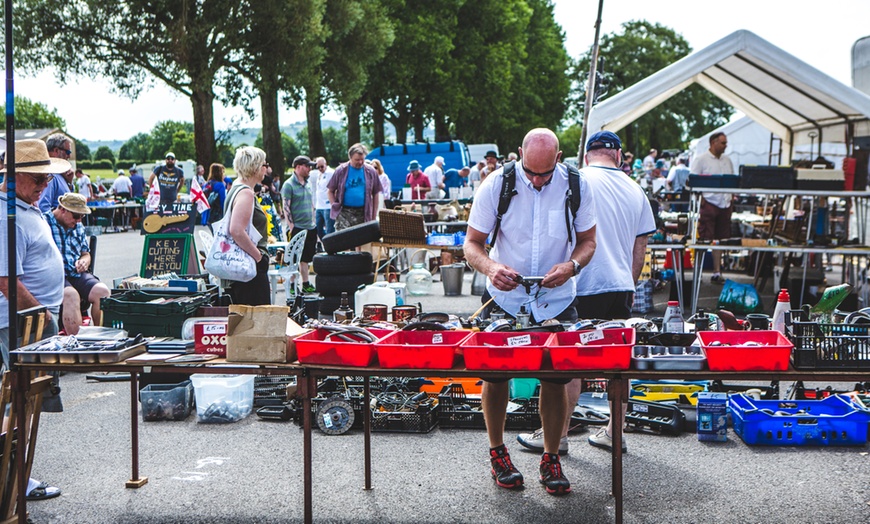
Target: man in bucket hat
[(40, 265), (79, 283)]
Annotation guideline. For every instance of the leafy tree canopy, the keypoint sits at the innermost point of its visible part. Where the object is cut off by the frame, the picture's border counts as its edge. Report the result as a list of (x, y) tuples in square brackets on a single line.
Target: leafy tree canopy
[(105, 153), (629, 56), (33, 115)]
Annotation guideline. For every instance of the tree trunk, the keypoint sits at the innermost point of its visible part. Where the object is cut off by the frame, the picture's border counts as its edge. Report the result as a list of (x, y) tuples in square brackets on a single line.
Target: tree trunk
[(378, 123), (418, 128), (401, 125), (272, 130), (203, 126), (316, 145), (354, 135), (442, 130)]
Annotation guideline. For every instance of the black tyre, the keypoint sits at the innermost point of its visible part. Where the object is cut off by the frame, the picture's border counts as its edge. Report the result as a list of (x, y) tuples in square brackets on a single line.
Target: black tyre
[(352, 237), (335, 284), (344, 263)]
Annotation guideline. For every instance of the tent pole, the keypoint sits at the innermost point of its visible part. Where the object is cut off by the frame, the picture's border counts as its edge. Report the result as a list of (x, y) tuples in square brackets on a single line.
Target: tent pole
[(590, 86), (12, 295)]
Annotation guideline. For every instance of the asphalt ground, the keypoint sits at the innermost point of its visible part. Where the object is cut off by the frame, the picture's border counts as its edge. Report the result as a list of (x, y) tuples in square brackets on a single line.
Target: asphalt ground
[(251, 471)]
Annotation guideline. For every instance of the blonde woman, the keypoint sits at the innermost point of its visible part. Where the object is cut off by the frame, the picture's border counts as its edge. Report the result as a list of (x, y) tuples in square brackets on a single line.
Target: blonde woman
[(385, 181), (250, 166)]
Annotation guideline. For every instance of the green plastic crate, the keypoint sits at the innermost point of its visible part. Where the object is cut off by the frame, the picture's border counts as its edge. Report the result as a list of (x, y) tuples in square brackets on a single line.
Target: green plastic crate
[(133, 311)]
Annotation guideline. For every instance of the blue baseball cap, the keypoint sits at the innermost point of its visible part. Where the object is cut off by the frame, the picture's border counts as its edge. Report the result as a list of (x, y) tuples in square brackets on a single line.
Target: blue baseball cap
[(603, 140)]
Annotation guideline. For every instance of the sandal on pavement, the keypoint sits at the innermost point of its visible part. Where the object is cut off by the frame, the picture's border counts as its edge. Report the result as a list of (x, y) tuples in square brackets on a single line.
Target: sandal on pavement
[(43, 491)]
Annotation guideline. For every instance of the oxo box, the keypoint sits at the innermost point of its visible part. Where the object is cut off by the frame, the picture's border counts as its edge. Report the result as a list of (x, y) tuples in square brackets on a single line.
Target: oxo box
[(210, 337)]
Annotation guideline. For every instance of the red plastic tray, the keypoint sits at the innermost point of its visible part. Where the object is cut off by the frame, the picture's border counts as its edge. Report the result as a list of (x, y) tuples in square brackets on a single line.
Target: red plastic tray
[(772, 355), (611, 352), (495, 350), (312, 348), (420, 349)]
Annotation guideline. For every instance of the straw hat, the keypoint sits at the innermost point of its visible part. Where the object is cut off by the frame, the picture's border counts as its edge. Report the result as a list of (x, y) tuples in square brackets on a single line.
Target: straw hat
[(31, 156), (74, 203)]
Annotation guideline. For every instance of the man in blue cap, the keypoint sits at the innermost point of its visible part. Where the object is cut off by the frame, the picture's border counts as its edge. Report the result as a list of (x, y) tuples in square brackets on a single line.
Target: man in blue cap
[(605, 287)]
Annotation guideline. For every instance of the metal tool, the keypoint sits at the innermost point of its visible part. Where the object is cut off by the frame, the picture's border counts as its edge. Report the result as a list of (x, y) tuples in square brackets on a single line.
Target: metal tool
[(528, 282)]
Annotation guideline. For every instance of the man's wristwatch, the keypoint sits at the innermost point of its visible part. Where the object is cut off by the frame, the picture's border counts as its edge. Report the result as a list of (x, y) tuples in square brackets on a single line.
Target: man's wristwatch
[(577, 266)]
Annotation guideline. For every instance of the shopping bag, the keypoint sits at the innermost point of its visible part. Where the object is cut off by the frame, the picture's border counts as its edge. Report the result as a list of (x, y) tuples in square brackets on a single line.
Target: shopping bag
[(225, 259), (643, 297)]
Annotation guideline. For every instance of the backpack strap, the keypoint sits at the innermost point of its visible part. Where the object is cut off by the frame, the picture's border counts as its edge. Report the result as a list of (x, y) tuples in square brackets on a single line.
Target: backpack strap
[(508, 190), (572, 200)]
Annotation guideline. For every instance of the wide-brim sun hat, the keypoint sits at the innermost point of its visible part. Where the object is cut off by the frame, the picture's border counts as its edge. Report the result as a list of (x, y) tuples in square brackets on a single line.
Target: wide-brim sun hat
[(31, 156), (414, 165)]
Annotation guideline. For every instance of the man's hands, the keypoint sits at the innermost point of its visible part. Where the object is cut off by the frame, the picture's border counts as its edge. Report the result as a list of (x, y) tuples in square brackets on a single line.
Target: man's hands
[(83, 263), (558, 274), (502, 277)]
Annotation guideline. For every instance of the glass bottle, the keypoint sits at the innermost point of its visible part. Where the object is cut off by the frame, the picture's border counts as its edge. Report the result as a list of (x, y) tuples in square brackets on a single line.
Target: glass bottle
[(344, 311), (419, 280)]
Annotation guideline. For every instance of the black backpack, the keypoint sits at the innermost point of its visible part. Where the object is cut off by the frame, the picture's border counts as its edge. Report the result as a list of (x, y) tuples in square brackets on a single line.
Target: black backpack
[(508, 190)]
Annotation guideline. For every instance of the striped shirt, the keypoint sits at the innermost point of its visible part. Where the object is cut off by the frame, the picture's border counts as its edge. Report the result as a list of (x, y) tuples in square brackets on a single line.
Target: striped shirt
[(298, 199), (71, 243)]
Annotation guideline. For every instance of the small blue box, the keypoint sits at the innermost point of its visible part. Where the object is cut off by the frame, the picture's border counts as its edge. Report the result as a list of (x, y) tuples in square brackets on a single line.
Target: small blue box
[(712, 416)]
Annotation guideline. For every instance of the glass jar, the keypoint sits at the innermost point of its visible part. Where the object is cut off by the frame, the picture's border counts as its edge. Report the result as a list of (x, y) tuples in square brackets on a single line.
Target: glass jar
[(419, 280)]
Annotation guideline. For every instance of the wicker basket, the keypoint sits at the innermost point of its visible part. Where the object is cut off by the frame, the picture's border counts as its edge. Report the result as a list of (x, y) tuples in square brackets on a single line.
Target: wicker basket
[(399, 227)]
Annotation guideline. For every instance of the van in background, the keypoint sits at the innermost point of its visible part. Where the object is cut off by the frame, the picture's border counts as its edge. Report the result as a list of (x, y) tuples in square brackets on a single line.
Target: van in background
[(395, 158), (478, 150)]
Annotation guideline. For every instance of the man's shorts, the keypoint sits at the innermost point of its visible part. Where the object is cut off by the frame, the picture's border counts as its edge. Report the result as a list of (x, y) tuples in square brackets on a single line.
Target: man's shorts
[(605, 306), (349, 217), (310, 243), (714, 222), (83, 284)]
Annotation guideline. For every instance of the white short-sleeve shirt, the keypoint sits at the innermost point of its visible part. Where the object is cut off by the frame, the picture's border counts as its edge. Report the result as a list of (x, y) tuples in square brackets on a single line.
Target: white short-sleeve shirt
[(533, 236), (707, 164)]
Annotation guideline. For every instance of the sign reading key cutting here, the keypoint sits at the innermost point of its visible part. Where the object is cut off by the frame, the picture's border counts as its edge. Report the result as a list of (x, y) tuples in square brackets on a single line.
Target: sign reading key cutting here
[(168, 254)]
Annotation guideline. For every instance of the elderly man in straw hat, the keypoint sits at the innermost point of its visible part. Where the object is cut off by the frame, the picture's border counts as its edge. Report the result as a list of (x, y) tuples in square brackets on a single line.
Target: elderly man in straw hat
[(69, 236), (39, 263)]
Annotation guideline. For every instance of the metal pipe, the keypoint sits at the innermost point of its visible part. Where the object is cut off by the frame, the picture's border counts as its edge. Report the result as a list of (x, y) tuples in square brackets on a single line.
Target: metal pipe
[(590, 86)]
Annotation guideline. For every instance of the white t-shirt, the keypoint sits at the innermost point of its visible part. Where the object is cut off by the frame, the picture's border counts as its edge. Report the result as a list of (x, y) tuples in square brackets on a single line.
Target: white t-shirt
[(435, 174), (623, 213), (321, 201), (386, 186), (122, 184), (84, 185), (533, 237), (707, 164)]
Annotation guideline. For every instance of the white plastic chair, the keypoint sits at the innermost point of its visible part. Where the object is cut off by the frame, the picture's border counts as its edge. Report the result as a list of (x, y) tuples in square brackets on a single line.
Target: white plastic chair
[(205, 240), (290, 269)]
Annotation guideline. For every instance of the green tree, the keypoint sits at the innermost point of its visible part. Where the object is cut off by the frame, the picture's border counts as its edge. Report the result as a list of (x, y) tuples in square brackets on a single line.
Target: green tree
[(277, 60), (183, 145), (182, 44), (335, 141), (569, 139), (289, 149), (33, 115), (358, 33), (629, 56), (105, 153), (83, 152), (162, 136), (137, 148)]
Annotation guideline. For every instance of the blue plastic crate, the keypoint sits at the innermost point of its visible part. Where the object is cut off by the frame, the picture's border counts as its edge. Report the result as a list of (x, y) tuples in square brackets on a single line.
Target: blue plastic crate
[(834, 421)]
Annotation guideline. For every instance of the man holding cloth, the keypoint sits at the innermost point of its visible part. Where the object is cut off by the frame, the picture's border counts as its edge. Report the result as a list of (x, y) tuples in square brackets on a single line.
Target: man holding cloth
[(533, 240)]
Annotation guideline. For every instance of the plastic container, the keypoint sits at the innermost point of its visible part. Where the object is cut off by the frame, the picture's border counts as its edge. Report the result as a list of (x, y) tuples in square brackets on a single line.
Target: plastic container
[(668, 358), (833, 421), (726, 350), (418, 281), (610, 350), (523, 387), (166, 401), (456, 410), (821, 345), (222, 398), (783, 305), (505, 350), (314, 348), (373, 295), (673, 321), (420, 349), (136, 312), (452, 278), (433, 385)]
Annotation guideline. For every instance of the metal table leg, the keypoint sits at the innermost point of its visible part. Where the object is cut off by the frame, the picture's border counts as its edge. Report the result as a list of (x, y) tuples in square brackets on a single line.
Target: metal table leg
[(367, 430), (697, 276), (135, 481), (616, 394), (307, 385)]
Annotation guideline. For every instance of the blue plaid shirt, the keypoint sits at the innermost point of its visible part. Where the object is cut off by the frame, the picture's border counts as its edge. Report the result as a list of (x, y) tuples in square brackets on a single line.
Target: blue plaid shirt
[(71, 243)]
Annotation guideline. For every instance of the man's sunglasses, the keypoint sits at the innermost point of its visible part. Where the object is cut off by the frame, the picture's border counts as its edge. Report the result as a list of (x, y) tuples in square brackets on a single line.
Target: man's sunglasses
[(67, 151), (542, 175), (40, 179), (76, 216)]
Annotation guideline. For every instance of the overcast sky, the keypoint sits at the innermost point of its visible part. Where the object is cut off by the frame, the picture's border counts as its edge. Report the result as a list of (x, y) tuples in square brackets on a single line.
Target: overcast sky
[(819, 33)]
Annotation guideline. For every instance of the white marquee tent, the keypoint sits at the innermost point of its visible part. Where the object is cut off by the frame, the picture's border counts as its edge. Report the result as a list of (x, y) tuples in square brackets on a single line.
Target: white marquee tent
[(782, 93)]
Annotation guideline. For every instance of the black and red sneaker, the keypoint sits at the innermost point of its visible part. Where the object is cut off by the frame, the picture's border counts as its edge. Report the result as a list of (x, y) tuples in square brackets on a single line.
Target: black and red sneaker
[(551, 475), (503, 470)]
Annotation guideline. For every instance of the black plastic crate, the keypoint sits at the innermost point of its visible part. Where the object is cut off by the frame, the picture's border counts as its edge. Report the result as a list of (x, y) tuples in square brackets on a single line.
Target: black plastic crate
[(456, 410), (271, 390), (767, 177), (725, 181), (422, 420), (819, 345), (136, 311)]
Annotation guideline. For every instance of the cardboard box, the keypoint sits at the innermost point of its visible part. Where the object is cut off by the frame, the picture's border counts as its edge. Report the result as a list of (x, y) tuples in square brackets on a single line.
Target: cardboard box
[(712, 416), (261, 334), (210, 337)]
